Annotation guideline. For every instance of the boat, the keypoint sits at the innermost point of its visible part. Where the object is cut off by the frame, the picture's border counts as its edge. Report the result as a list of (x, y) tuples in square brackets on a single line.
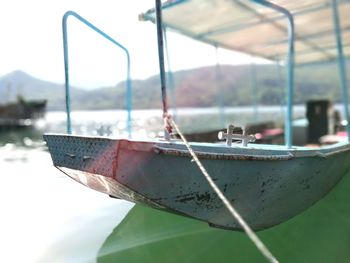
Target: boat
[(21, 114), (267, 184), (160, 175)]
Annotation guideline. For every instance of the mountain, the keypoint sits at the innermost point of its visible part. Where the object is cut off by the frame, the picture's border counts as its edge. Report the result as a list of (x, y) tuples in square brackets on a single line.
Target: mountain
[(200, 87), (232, 86), (20, 83)]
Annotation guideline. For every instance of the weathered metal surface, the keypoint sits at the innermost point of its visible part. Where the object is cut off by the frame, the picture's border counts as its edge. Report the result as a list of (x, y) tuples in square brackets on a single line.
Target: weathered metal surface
[(222, 156), (96, 156), (108, 186), (266, 191)]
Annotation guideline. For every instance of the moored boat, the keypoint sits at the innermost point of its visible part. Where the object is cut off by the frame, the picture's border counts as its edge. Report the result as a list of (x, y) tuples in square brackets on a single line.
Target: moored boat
[(267, 184), (21, 114)]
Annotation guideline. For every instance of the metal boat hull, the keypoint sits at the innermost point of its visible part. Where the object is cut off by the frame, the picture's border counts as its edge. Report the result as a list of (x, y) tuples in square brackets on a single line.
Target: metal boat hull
[(266, 184)]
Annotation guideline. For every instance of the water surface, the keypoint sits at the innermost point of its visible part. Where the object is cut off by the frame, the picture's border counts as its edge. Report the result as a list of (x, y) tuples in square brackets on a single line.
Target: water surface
[(47, 217)]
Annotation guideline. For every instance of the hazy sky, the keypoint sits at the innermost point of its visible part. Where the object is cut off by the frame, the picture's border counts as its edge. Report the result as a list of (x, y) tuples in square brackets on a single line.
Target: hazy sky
[(31, 40)]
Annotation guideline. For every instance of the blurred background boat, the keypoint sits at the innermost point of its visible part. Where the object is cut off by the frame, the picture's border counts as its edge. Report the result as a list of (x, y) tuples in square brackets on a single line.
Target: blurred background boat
[(21, 114)]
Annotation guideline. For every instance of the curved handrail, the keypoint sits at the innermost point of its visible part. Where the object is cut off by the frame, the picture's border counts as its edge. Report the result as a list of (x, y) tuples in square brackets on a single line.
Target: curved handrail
[(290, 70), (66, 68)]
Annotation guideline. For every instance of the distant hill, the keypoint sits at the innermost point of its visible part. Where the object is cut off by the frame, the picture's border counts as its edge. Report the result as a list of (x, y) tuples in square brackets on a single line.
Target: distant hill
[(200, 87), (230, 86), (20, 83)]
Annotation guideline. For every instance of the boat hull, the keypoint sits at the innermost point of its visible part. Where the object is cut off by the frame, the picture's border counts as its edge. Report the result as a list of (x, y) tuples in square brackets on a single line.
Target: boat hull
[(267, 185)]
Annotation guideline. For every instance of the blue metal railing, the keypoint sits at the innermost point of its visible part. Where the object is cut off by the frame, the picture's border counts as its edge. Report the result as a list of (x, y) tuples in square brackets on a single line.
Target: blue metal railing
[(290, 68), (341, 64), (66, 68)]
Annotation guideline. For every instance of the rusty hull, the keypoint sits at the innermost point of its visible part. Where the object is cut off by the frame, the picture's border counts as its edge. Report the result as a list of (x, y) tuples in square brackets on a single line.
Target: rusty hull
[(266, 184)]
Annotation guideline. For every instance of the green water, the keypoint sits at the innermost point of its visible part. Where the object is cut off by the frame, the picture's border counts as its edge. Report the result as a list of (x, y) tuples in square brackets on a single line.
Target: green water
[(320, 234)]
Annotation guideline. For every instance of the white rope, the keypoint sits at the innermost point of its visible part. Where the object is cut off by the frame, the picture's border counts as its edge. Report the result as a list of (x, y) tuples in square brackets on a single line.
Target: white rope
[(254, 238)]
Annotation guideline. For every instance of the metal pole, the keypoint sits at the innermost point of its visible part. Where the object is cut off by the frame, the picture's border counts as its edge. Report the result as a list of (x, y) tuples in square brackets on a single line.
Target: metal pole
[(279, 83), (341, 64), (128, 97), (290, 69), (219, 87), (170, 75), (66, 71), (161, 57), (66, 68), (254, 91)]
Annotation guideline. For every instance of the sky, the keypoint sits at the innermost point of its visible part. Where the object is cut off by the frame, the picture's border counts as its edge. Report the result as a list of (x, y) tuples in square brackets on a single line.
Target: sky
[(31, 41)]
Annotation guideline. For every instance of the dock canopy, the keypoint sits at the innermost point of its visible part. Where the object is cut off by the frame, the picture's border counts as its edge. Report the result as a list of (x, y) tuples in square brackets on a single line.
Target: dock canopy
[(250, 28)]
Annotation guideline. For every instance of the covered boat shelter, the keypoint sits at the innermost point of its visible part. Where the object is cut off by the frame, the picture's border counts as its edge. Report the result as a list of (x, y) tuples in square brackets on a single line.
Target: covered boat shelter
[(291, 33)]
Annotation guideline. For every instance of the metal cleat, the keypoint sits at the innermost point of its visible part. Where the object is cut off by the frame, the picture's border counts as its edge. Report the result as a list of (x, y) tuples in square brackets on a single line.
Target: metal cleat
[(230, 135)]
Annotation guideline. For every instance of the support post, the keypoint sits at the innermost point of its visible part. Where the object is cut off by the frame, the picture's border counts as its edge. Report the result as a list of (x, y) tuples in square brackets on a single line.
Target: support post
[(254, 87), (161, 55), (279, 83), (341, 64), (218, 76), (170, 75), (290, 61), (167, 129)]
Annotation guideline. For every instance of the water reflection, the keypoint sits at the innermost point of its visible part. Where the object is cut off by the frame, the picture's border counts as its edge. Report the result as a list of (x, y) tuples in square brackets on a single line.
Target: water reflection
[(26, 137), (320, 234), (46, 217)]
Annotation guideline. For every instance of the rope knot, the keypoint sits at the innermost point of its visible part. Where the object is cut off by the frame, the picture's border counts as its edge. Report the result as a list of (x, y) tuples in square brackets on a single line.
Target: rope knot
[(167, 122)]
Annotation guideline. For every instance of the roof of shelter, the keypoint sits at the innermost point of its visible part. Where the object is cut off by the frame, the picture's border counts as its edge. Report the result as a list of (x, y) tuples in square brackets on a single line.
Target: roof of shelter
[(248, 27)]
